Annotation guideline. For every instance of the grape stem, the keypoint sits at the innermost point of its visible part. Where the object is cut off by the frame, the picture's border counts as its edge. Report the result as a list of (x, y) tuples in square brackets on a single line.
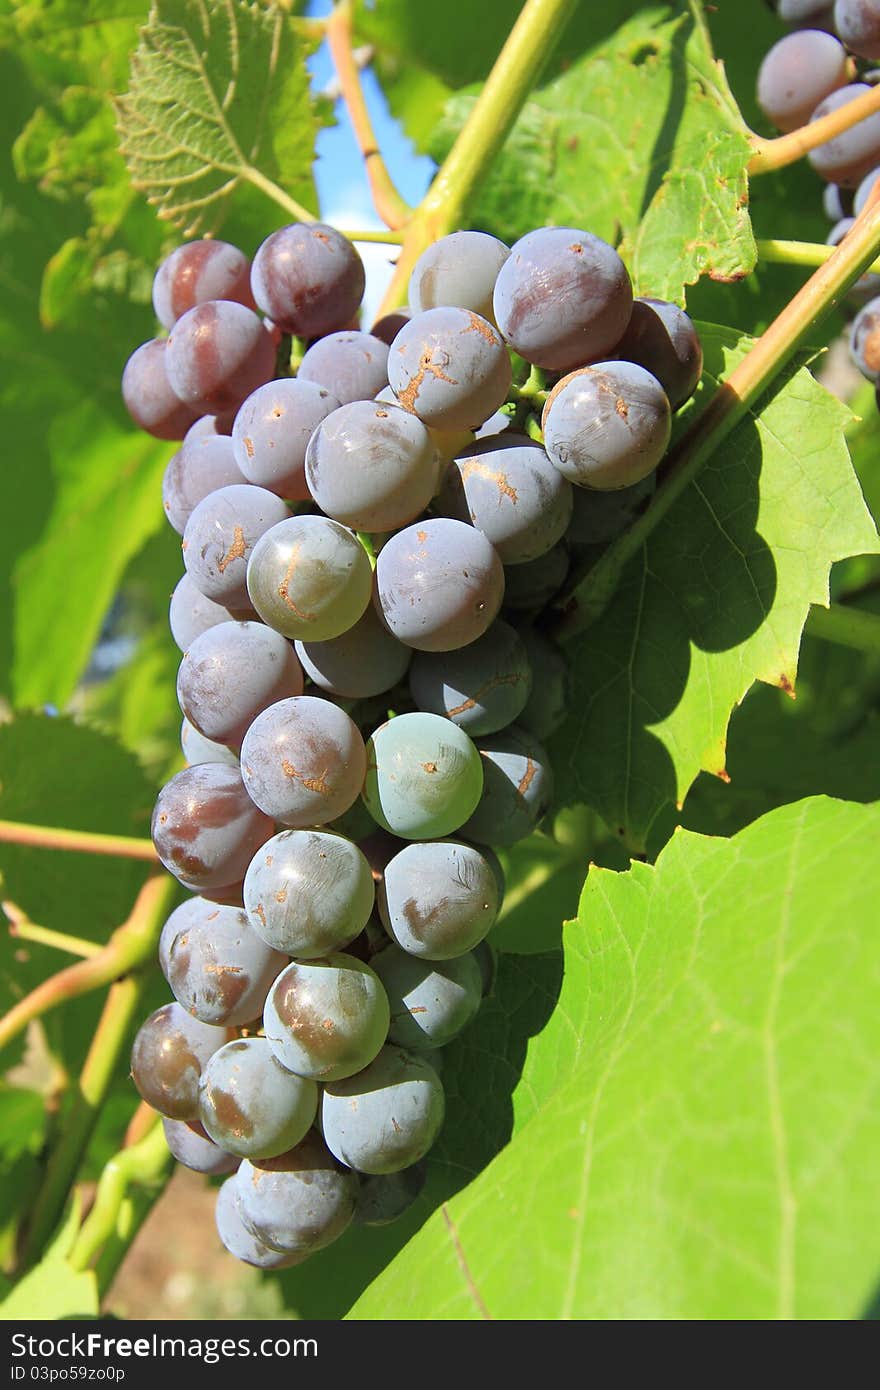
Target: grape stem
[(23, 929), (390, 206), (735, 397), (787, 149), (274, 191), (83, 841), (846, 627), (528, 46), (131, 945), (146, 1164), (808, 253)]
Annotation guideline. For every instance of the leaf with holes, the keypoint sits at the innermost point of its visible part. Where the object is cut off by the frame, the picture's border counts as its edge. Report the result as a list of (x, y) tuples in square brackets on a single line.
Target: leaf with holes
[(716, 600), (704, 1131), (219, 97)]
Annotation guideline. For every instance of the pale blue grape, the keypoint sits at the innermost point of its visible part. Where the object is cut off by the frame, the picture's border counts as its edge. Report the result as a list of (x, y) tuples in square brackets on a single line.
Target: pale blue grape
[(230, 674), (353, 366), (250, 1104), (385, 1197), (303, 762), (191, 1146), (309, 577), (326, 1019), (239, 1241), (847, 158), (482, 687), (459, 270), (797, 73), (198, 749), (662, 339), (607, 426), (439, 584), (424, 776), (272, 429), (598, 517), (450, 367), (439, 898), (387, 1117), (148, 395), (371, 466), (219, 970), (532, 586), (431, 1001), (199, 467), (362, 662), (517, 788), (220, 535), (858, 24), (191, 613), (300, 1201), (308, 892)]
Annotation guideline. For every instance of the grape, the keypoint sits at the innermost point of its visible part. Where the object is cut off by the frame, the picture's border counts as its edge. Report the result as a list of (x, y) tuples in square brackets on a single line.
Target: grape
[(662, 339), (182, 917), (309, 279), (851, 155), (272, 429), (191, 613), (147, 393), (219, 970), (198, 749), (799, 72), (199, 271), (431, 1001), (423, 776), (450, 367), (388, 326), (327, 1018), (563, 298), (309, 577), (508, 488), (250, 1105), (858, 24), (439, 585), (220, 535), (190, 1145), (196, 470), (353, 366), (598, 517), (384, 1197), (517, 788), (864, 191), (308, 892), (799, 11), (385, 1118), (238, 1240), (364, 661), (302, 1200), (371, 466), (438, 899), (496, 424), (458, 270), (482, 687), (218, 353), (864, 343), (303, 761), (837, 202), (167, 1057), (607, 426), (230, 674), (206, 828), (549, 698), (533, 585)]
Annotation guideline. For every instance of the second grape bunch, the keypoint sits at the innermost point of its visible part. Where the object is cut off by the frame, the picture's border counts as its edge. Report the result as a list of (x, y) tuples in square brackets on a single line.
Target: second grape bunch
[(365, 686)]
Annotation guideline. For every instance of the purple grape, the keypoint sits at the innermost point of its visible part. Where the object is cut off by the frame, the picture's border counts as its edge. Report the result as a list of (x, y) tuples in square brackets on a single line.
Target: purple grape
[(607, 426), (507, 487), (230, 674), (362, 662), (327, 1018), (209, 426), (439, 585), (549, 698), (308, 893), (439, 898), (206, 828), (237, 1239), (517, 788), (858, 24), (458, 270), (864, 191), (450, 367), (198, 749), (309, 279), (371, 466), (252, 1106), (199, 271), (388, 326), (352, 366), (385, 1118), (837, 202), (188, 913), (191, 613), (310, 578), (272, 429), (662, 339), (218, 353), (198, 468), (301, 1201), (482, 687), (563, 298), (800, 71), (864, 343), (384, 1197), (431, 1001), (303, 762), (532, 586), (192, 1147), (167, 1058), (851, 155), (220, 535), (219, 970), (148, 396)]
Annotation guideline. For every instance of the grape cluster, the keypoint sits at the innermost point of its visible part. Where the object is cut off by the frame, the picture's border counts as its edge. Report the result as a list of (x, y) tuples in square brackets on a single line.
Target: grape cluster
[(367, 544)]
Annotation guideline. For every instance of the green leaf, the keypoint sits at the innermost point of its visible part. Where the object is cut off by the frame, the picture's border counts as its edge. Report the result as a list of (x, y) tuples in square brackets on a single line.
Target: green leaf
[(22, 1122), (215, 94), (52, 1290), (703, 1133), (716, 600)]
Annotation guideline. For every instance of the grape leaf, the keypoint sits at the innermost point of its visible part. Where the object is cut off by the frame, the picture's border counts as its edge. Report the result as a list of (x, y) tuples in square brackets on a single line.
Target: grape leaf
[(702, 1131), (217, 93), (716, 600), (22, 1122), (52, 1290)]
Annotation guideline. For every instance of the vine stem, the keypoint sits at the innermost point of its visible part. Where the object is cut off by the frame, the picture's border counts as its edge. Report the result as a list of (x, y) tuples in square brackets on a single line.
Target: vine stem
[(130, 945), (277, 194), (85, 841), (787, 149), (528, 46), (23, 929), (146, 1163), (392, 209), (730, 403), (845, 626), (806, 253)]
